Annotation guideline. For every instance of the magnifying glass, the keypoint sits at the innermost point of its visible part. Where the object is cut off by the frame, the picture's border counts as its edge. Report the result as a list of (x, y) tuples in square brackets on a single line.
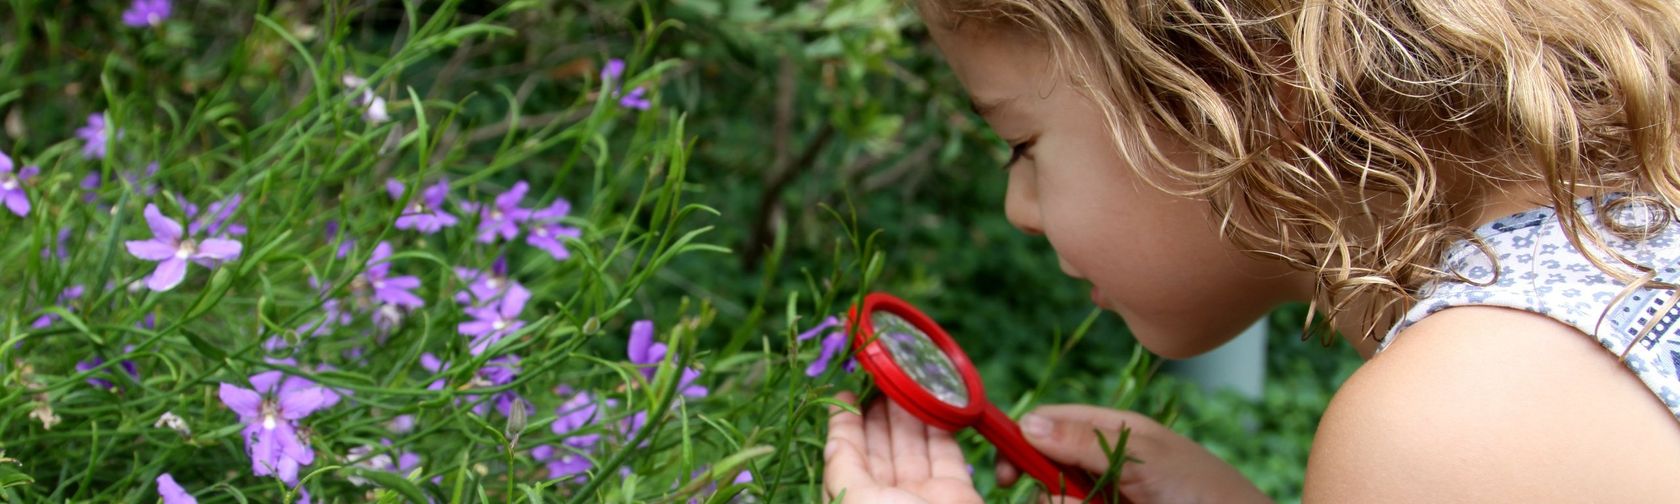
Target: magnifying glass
[(922, 369)]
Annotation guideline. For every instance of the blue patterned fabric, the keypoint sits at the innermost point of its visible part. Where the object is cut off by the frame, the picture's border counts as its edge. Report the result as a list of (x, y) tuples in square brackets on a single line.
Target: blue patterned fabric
[(1541, 272)]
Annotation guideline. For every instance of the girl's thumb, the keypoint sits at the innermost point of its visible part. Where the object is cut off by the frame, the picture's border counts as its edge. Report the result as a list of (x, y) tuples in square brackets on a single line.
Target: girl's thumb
[(1068, 441)]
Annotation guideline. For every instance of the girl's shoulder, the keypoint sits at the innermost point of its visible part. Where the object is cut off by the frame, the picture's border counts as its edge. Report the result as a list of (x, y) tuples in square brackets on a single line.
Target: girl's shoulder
[(1483, 403)]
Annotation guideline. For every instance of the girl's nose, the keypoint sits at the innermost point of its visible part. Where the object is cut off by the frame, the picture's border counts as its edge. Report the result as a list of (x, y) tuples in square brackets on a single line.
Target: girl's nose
[(1020, 202)]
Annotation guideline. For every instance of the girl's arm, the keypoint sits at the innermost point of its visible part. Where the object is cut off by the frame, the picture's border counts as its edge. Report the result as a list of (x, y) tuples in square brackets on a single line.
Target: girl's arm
[(1487, 404)]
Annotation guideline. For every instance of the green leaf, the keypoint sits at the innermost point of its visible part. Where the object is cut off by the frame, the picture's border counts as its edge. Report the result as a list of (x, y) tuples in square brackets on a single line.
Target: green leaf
[(393, 482)]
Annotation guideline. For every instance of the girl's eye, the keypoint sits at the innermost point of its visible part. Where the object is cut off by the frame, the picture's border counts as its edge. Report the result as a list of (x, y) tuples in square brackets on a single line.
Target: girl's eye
[(1016, 152)]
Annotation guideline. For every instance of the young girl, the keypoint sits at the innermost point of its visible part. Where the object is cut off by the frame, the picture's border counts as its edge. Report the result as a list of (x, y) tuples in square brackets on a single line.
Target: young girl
[(1479, 194)]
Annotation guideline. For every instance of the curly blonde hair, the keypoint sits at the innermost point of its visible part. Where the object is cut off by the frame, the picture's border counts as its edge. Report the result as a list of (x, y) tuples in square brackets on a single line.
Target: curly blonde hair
[(1346, 136)]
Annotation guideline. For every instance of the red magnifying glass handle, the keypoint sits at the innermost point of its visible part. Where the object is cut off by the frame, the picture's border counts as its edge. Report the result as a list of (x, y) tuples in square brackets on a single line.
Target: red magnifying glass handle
[(1060, 479)]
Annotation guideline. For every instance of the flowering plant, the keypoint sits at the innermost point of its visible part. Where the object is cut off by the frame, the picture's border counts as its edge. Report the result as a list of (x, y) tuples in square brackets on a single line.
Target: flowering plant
[(305, 271)]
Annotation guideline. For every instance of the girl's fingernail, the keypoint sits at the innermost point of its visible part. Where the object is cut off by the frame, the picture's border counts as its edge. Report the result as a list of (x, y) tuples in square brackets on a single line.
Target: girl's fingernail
[(1035, 426), (828, 451)]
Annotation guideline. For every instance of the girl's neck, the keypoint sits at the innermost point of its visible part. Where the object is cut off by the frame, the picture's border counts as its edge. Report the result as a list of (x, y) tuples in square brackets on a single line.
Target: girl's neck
[(1492, 205)]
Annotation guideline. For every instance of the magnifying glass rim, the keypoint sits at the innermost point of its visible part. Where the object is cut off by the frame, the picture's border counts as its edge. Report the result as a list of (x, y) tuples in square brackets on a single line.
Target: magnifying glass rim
[(899, 385)]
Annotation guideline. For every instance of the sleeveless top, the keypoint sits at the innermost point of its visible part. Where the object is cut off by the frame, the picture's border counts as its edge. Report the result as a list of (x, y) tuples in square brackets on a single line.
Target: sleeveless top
[(1540, 271)]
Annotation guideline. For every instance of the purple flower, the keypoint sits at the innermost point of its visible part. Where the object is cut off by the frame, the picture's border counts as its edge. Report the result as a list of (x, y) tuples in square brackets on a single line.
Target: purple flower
[(90, 185), (496, 372), (128, 366), (364, 457), (635, 99), (270, 413), (374, 104), (69, 294), (575, 414), (612, 70), (387, 289), (647, 353), (401, 424), (741, 478), (93, 136), (145, 13), (484, 287), (332, 314), (548, 234), (142, 182), (60, 247), (11, 186), (425, 212), (173, 493), (345, 246), (502, 218), (832, 344), (172, 250), (214, 221), (496, 320), (564, 462)]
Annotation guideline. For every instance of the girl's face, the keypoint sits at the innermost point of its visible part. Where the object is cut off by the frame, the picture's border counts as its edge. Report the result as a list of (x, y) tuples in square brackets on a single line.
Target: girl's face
[(1154, 258)]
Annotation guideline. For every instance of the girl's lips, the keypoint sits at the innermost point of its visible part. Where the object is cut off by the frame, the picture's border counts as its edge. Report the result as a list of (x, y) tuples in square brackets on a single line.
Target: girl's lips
[(1096, 296)]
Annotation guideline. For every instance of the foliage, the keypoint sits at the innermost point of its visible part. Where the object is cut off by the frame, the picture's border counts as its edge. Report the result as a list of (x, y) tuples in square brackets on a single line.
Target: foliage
[(789, 156)]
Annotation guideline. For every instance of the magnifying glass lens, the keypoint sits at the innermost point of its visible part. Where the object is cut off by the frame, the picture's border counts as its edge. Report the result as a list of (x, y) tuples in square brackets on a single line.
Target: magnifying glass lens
[(917, 355)]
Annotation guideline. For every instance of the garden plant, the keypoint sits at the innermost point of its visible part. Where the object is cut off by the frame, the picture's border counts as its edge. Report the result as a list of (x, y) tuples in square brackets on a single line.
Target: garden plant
[(525, 251)]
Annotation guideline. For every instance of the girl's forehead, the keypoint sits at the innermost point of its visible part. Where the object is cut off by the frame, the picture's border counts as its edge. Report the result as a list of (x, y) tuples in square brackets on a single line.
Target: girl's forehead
[(994, 64)]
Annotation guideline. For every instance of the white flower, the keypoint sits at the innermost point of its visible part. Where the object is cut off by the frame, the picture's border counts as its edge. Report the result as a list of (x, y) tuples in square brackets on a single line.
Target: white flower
[(172, 422)]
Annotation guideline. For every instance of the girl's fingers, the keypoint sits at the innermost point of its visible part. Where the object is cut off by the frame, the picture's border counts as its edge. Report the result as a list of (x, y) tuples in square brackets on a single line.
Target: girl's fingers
[(909, 445), (843, 458), (1007, 474), (877, 435), (945, 458), (1070, 435)]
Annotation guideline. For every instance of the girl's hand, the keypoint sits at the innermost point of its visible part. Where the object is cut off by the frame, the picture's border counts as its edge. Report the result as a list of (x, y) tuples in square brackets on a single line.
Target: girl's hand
[(1168, 467), (888, 456)]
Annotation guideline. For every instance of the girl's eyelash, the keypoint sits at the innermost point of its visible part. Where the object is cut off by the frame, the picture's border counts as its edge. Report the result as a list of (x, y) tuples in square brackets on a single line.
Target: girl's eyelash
[(1016, 152)]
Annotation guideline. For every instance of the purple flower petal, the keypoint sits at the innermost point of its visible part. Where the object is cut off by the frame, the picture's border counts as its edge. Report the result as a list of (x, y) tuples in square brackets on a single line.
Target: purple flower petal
[(17, 202), (266, 381), (435, 193), (511, 198), (395, 188), (167, 275), (612, 70), (555, 210), (301, 403), (431, 363), (163, 228), (514, 302), (635, 100), (93, 136), (641, 342), (686, 384), (285, 436), (377, 264), (831, 345), (172, 493), (478, 327), (245, 402), (826, 323), (143, 13), (219, 249), (151, 250), (403, 282)]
